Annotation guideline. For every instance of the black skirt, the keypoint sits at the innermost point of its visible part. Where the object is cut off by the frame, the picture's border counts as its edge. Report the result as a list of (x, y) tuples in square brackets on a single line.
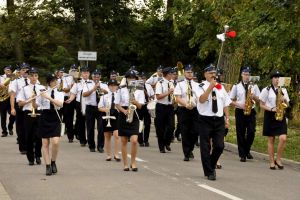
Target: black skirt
[(272, 127), (113, 122), (128, 129), (49, 124)]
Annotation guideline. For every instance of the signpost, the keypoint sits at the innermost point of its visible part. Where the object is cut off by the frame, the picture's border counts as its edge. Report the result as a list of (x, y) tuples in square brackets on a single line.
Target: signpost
[(87, 56)]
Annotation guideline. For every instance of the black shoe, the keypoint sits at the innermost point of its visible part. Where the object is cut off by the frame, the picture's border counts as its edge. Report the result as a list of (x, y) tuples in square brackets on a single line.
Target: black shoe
[(163, 151), (92, 150), (117, 159), (82, 144), (126, 169), (249, 156), (243, 159), (70, 140), (272, 167), (212, 177), (23, 152), (279, 166), (134, 169), (142, 144), (186, 159), (48, 170), (31, 163), (4, 135), (191, 155), (10, 132), (53, 167), (147, 144), (100, 150), (218, 166), (108, 159), (168, 148), (38, 160)]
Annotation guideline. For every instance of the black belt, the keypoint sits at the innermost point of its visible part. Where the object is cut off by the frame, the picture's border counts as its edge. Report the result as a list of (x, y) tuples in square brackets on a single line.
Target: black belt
[(212, 117), (166, 105)]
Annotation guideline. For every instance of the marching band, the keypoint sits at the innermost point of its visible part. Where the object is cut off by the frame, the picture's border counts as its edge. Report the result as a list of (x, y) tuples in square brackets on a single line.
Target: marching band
[(124, 109)]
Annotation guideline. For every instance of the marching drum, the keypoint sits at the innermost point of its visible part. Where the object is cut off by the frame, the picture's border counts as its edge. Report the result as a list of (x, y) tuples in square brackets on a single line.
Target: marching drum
[(151, 108)]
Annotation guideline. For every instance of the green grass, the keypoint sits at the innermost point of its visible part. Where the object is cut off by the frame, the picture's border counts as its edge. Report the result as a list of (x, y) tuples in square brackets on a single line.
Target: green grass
[(292, 150)]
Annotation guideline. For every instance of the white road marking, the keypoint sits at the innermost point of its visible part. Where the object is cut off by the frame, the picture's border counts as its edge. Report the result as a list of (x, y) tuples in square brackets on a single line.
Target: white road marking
[(137, 159), (229, 196)]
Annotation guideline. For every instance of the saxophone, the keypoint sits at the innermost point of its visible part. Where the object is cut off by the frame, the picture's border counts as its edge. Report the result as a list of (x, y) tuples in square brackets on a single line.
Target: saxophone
[(61, 85), (249, 102), (131, 107), (280, 106), (189, 97), (4, 94)]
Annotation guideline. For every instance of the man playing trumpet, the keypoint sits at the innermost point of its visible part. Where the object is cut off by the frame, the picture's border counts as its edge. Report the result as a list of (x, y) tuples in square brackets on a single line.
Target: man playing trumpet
[(187, 112), (27, 100)]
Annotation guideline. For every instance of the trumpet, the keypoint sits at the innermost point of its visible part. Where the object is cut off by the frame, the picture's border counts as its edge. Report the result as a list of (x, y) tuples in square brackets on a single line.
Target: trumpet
[(33, 114), (189, 97)]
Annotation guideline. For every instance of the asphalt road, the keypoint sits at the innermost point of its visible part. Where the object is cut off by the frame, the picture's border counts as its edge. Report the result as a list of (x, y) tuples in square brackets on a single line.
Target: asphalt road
[(86, 175)]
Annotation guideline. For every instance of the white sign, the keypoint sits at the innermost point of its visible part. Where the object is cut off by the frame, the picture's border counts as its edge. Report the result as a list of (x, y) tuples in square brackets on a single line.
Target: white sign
[(87, 55)]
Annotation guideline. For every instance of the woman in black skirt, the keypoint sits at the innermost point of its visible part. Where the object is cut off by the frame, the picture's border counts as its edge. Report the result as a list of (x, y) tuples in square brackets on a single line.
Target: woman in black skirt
[(273, 127), (49, 128), (107, 105), (129, 130)]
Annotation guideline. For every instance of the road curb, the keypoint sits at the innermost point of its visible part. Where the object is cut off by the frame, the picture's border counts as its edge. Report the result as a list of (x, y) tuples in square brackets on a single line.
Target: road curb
[(261, 156)]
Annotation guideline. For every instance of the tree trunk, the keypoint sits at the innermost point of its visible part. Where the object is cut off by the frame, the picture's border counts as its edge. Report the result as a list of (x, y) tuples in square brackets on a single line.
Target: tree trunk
[(16, 39), (90, 29)]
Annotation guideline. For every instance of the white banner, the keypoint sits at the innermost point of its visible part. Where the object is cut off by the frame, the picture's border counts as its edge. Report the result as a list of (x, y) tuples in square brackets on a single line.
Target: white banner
[(87, 55)]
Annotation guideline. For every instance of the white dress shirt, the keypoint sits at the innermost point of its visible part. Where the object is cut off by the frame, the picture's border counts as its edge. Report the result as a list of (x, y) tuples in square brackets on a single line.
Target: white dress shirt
[(162, 87), (122, 97), (27, 92), (153, 79), (68, 81), (182, 88), (91, 99), (44, 103), (205, 108), (238, 91), (268, 96), (77, 89), (106, 100)]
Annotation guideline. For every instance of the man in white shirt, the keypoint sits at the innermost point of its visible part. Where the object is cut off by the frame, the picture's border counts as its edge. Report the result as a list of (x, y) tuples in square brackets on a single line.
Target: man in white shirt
[(187, 112), (14, 89), (26, 99), (164, 110), (213, 104), (92, 90), (155, 77), (245, 122)]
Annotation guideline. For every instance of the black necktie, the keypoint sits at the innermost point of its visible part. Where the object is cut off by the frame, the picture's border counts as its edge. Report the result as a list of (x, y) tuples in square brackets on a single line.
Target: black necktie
[(112, 106), (169, 96), (214, 102), (246, 89), (191, 87), (34, 90), (52, 96), (26, 82), (146, 94)]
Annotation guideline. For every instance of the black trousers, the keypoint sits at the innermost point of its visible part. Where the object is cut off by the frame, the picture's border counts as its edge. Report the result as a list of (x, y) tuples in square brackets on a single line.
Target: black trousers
[(189, 129), (34, 141), (145, 116), (20, 129), (68, 116), (4, 109), (245, 130), (211, 128), (80, 124), (92, 115), (164, 124)]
